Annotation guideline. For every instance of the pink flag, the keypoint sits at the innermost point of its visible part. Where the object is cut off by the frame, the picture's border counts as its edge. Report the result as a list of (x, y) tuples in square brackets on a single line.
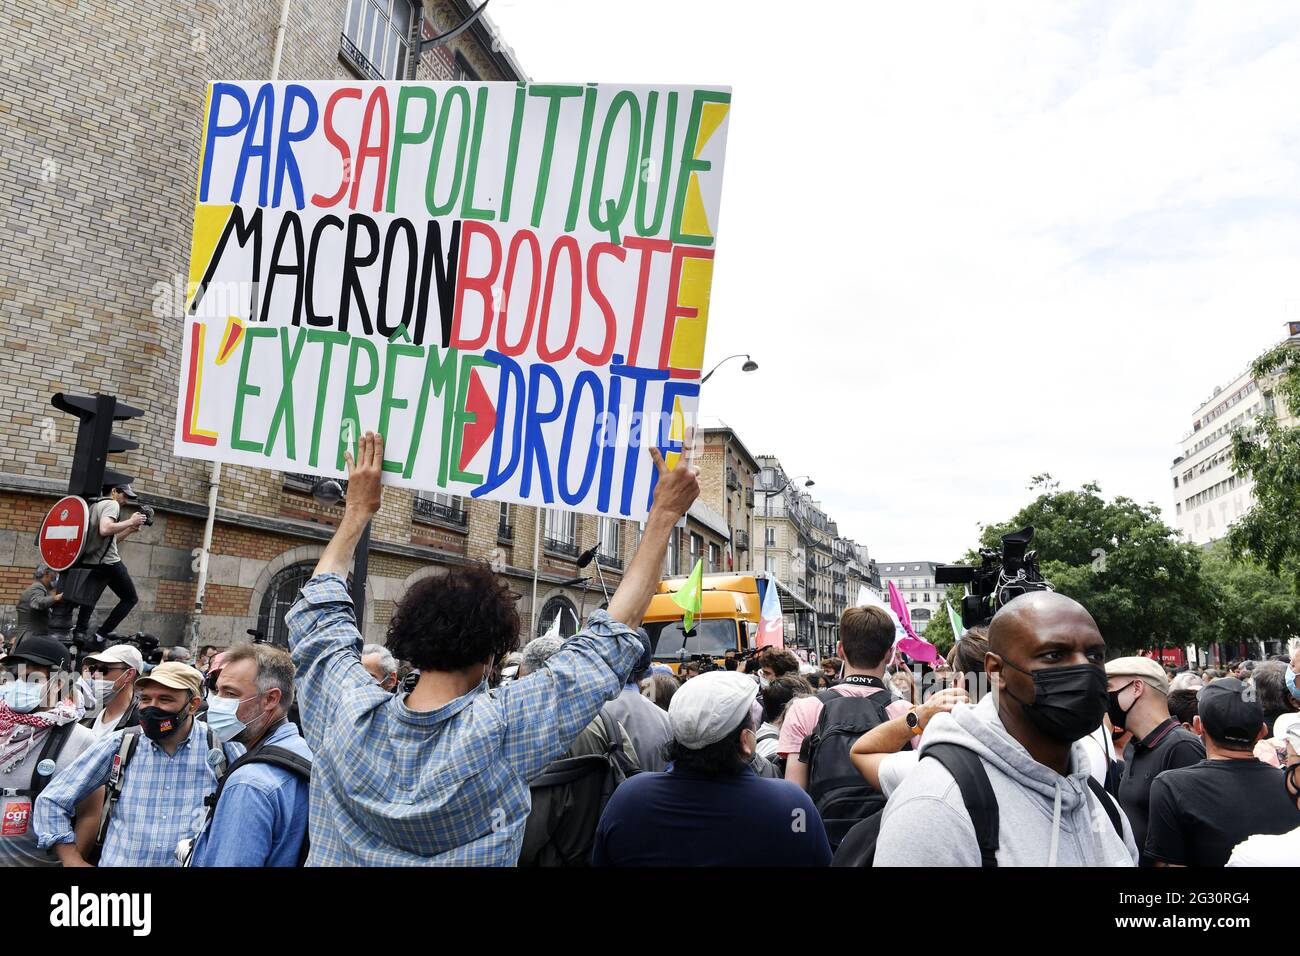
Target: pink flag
[(913, 646), (771, 623)]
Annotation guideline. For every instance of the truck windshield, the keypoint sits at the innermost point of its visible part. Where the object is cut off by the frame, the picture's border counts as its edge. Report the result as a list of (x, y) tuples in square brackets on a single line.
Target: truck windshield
[(712, 638)]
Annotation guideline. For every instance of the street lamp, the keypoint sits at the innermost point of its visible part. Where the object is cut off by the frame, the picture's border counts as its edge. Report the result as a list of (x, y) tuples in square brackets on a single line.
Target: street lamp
[(328, 493), (767, 515), (749, 366)]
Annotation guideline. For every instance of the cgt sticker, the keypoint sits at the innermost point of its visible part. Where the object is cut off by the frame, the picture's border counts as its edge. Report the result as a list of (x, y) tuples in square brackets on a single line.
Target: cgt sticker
[(16, 817)]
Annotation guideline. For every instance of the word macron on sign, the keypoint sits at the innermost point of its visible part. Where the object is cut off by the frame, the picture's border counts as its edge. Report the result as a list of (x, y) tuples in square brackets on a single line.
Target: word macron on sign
[(510, 282)]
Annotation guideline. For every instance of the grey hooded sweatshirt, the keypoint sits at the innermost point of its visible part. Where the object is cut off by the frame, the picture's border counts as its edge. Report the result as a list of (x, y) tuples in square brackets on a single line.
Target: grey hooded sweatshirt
[(1045, 819)]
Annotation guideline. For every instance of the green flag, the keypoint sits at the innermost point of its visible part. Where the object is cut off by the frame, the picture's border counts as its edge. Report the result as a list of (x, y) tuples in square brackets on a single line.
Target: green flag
[(955, 620), (690, 596)]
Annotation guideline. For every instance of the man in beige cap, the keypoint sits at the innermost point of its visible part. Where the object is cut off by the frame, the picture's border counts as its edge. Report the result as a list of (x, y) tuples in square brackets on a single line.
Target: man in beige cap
[(167, 766), (111, 675), (1139, 702), (710, 808)]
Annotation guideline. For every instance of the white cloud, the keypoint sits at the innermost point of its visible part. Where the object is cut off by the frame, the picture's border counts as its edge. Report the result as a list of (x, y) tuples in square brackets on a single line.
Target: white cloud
[(971, 242)]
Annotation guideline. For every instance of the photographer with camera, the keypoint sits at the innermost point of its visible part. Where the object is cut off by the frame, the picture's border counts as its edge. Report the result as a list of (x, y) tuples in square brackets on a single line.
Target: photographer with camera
[(105, 564)]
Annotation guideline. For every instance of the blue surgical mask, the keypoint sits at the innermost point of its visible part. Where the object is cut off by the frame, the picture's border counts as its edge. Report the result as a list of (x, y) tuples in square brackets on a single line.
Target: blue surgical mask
[(1290, 682), (22, 697), (223, 717)]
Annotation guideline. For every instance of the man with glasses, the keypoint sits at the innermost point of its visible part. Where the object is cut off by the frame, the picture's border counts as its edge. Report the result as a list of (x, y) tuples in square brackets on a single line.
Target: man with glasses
[(111, 675)]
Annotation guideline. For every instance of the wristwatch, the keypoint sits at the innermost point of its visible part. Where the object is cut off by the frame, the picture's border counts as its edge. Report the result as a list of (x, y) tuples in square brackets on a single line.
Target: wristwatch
[(914, 720)]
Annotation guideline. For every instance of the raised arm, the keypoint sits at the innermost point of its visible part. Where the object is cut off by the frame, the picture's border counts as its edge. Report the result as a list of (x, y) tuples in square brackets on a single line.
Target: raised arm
[(546, 710), (323, 635)]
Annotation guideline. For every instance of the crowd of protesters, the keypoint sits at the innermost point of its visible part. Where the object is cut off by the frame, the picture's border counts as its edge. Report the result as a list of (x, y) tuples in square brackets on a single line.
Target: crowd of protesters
[(1026, 747)]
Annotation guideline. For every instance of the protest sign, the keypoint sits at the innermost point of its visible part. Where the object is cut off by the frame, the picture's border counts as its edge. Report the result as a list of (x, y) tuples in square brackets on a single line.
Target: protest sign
[(509, 281)]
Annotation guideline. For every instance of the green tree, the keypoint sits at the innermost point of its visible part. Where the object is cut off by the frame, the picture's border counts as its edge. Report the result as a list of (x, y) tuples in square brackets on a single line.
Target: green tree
[(1270, 456), (1141, 584), (1254, 602)]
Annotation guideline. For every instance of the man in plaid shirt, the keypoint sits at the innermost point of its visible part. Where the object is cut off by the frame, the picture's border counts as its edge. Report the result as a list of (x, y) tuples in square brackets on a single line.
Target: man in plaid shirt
[(170, 772), (440, 776)]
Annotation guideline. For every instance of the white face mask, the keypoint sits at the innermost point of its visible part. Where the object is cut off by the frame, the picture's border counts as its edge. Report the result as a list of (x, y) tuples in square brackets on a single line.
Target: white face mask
[(102, 690), (223, 717)]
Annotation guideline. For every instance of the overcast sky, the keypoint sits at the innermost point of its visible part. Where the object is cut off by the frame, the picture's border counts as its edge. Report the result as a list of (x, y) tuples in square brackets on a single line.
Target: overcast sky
[(971, 242)]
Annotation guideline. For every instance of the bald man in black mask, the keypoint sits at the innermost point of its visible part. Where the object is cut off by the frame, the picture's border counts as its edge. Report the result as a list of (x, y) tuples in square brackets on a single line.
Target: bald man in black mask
[(1009, 783)]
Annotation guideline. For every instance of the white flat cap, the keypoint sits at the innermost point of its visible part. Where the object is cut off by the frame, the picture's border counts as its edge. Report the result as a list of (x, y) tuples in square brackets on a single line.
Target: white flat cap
[(707, 708)]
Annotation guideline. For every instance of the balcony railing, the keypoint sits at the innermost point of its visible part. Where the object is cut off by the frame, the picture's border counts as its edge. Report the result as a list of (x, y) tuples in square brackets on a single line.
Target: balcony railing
[(353, 55), (749, 497), (425, 509), (569, 548), (742, 540), (505, 532), (733, 480), (611, 561)]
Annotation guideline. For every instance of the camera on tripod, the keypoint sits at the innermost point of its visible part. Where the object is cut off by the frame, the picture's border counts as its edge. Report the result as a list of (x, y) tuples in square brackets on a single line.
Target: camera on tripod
[(1000, 577)]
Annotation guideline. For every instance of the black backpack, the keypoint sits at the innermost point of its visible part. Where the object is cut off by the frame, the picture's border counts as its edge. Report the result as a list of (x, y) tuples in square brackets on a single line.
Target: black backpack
[(859, 846), (841, 794), (565, 834)]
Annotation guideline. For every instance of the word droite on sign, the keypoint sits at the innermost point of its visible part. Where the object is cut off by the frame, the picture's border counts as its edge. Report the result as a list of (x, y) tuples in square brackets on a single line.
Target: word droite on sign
[(509, 281)]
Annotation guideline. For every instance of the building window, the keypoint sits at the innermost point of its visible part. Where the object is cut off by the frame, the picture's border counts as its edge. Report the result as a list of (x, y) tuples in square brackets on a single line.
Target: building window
[(505, 530), (770, 565), (672, 560), (697, 549), (375, 35), (769, 536), (607, 541), (436, 506), (562, 531), (281, 594), (715, 557), (562, 608)]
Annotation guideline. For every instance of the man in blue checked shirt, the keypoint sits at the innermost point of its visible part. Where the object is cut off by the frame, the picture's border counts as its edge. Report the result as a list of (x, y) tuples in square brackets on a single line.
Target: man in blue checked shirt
[(261, 816), (170, 772), (440, 775)]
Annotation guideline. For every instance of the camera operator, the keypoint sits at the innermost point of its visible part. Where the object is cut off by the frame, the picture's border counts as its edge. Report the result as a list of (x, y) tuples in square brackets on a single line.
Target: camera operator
[(35, 603), (106, 566)]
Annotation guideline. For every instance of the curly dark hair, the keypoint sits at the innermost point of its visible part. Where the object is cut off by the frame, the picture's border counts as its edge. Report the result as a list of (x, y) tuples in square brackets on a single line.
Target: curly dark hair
[(455, 620)]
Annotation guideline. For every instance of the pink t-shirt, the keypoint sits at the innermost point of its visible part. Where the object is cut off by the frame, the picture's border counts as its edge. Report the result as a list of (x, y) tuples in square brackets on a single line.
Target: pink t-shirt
[(802, 716)]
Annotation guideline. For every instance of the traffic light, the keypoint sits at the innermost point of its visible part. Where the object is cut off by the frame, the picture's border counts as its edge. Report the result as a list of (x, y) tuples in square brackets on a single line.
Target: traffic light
[(96, 441)]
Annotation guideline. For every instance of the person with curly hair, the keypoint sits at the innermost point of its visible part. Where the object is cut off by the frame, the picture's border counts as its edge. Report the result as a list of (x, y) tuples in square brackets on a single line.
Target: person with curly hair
[(440, 775)]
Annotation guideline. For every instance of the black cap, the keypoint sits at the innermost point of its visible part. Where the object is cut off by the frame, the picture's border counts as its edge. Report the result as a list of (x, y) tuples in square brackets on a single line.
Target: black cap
[(39, 649), (1230, 712)]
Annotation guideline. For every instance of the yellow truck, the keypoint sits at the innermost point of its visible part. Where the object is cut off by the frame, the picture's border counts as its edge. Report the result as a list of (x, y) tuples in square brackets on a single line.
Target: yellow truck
[(728, 619)]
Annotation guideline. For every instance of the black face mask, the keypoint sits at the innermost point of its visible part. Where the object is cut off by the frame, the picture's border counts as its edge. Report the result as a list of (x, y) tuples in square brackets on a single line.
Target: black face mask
[(1118, 716), (158, 723), (1068, 701)]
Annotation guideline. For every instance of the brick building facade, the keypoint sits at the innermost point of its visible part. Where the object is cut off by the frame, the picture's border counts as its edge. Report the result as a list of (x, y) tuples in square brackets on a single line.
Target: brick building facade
[(101, 123)]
